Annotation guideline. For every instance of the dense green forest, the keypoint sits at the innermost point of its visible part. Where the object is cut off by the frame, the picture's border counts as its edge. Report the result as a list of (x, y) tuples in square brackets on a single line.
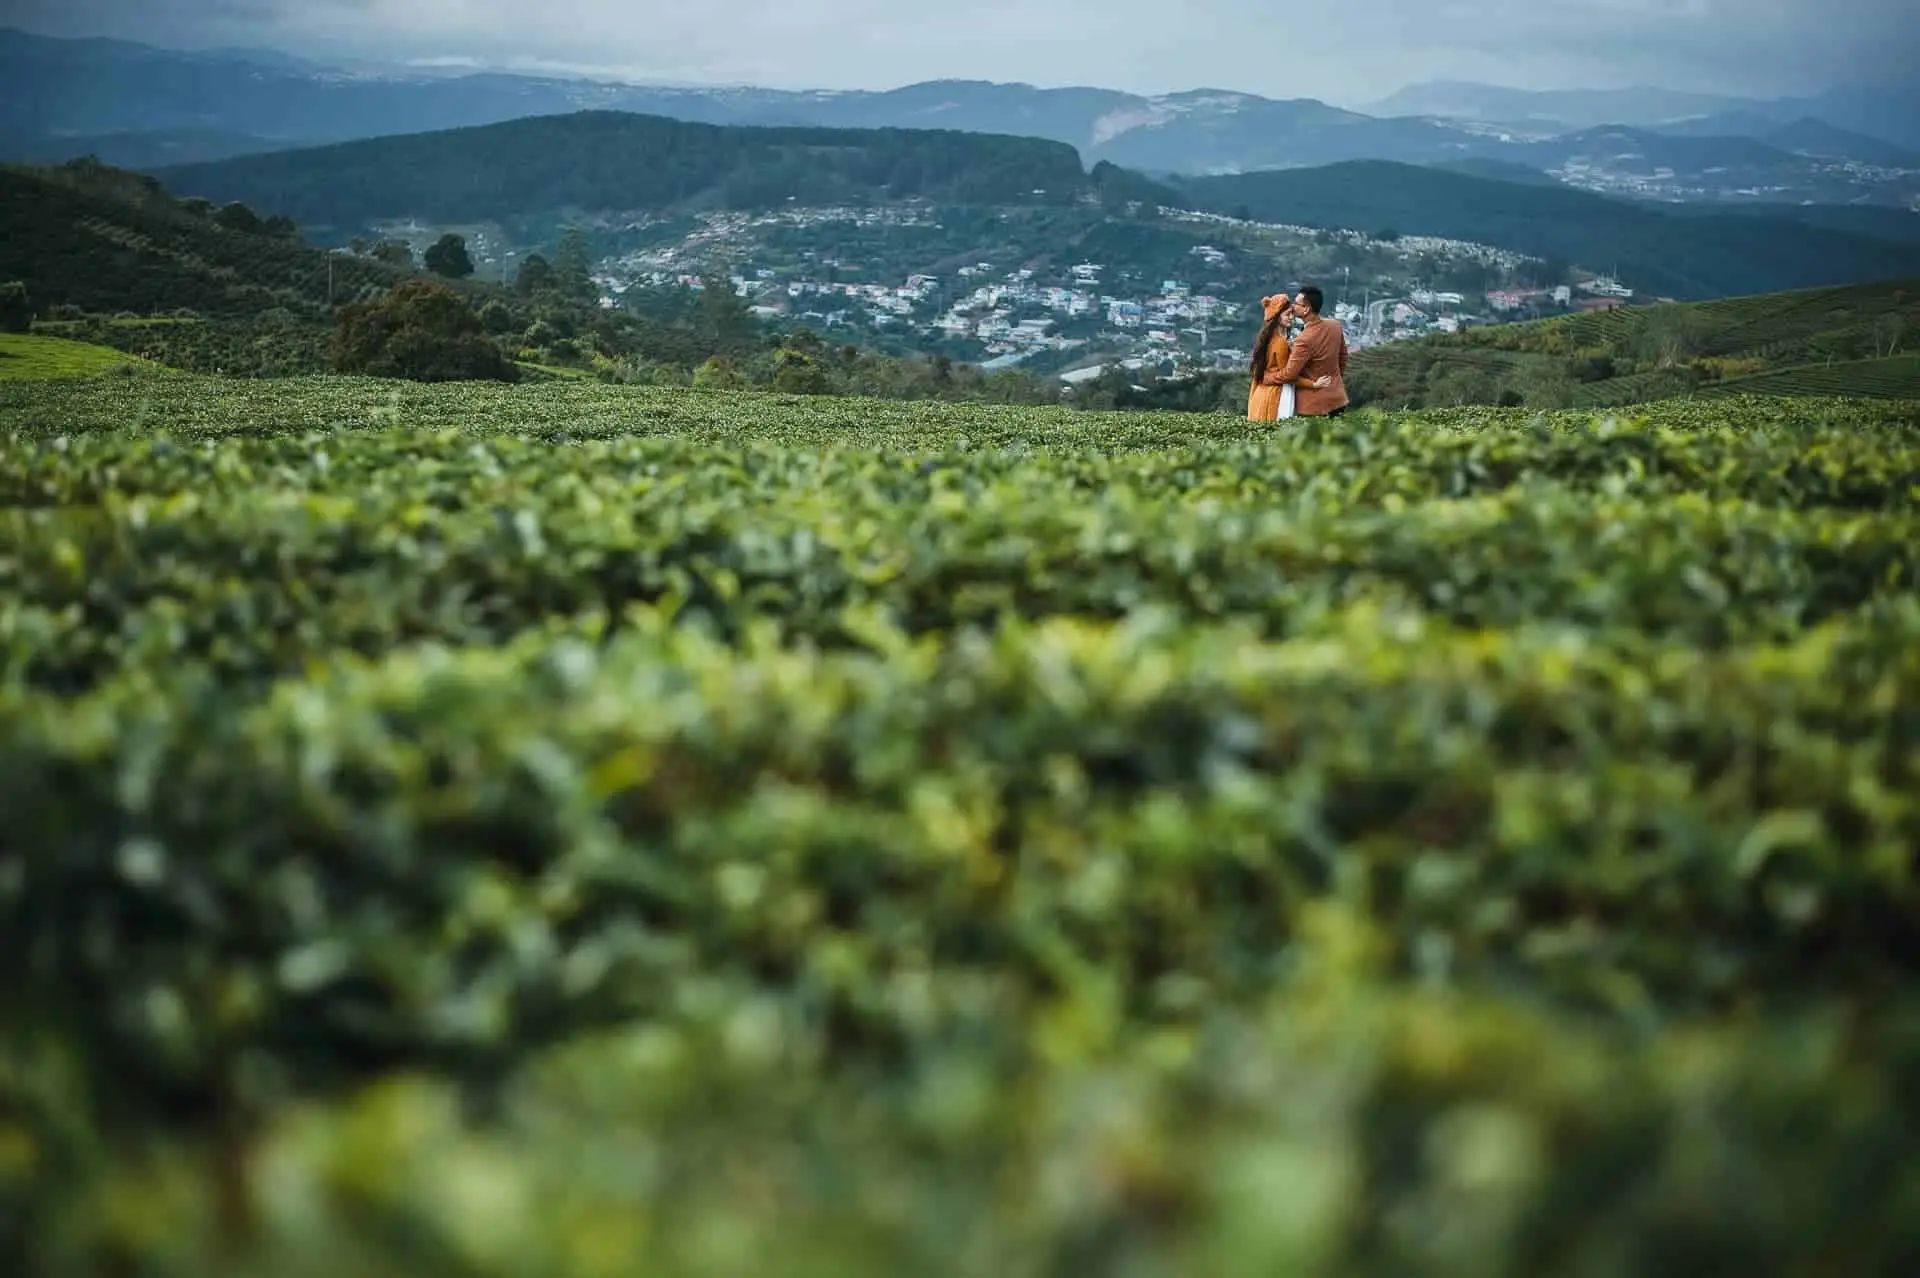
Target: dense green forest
[(610, 160), (1854, 340), (1665, 254)]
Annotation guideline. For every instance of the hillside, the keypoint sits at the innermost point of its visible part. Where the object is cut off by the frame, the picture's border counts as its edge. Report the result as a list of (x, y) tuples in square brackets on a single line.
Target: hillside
[(1718, 168), (105, 241), (1891, 377), (111, 260), (1855, 341), (1655, 150), (1899, 226), (602, 161), (36, 357), (611, 160), (1563, 108), (1809, 136), (1499, 171), (1657, 252)]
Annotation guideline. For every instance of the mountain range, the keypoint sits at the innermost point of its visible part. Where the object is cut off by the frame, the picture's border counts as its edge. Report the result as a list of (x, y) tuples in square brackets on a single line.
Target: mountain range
[(615, 163), (143, 107), (1889, 113)]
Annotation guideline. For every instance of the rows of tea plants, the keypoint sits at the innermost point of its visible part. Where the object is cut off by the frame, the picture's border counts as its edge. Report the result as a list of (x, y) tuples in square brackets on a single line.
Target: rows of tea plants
[(1888, 375), (576, 830)]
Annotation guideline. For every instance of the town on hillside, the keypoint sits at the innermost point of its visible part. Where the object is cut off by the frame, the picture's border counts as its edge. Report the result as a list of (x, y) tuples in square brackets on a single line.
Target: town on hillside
[(1035, 310)]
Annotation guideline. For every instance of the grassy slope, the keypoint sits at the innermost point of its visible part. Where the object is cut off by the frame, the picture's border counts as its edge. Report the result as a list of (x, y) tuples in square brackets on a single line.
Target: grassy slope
[(1805, 338), (1894, 377), (33, 357)]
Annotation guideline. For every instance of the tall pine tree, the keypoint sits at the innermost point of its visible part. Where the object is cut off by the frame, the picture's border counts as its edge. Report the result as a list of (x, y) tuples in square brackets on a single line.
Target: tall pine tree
[(573, 267)]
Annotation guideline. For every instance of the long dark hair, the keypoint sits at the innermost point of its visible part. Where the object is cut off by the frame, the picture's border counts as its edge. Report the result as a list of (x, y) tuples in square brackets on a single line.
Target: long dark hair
[(1257, 366)]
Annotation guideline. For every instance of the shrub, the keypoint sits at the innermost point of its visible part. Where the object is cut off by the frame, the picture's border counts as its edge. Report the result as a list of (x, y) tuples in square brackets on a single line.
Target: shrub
[(796, 373), (16, 308), (238, 217), (717, 374), (614, 831), (421, 331), (448, 257), (1592, 368), (496, 317)]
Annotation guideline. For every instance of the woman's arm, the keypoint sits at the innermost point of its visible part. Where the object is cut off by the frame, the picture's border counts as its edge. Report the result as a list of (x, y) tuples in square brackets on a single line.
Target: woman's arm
[(1297, 357)]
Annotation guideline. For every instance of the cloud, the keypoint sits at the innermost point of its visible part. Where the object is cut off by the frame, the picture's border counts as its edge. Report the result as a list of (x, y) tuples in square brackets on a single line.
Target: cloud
[(1356, 52), (1772, 48)]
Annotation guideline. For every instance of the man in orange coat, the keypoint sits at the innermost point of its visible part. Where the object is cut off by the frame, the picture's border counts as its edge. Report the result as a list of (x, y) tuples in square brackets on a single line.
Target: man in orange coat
[(1317, 364)]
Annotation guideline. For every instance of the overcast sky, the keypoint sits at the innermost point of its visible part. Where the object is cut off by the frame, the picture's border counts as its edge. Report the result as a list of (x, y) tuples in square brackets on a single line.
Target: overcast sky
[(1361, 51)]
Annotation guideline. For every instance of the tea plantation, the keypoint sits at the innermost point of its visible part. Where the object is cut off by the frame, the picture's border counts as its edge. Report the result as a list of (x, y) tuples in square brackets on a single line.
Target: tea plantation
[(572, 830)]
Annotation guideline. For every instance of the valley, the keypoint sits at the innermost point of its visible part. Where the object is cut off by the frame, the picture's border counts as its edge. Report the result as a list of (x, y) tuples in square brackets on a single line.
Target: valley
[(1001, 255), (1158, 292)]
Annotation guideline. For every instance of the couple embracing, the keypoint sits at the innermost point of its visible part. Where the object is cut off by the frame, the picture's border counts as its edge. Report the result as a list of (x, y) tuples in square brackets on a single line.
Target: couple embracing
[(1303, 374)]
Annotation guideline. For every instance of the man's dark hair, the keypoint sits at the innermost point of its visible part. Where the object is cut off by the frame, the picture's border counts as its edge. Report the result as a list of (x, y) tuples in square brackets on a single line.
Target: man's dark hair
[(1314, 298)]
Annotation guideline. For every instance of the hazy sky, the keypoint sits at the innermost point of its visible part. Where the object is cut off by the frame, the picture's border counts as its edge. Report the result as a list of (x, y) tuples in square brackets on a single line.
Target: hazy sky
[(1364, 50)]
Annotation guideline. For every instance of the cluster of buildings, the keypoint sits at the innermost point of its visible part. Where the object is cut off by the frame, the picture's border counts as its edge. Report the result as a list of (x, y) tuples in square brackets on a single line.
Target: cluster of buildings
[(1006, 315), (1407, 248), (1786, 179), (1014, 316), (1505, 301), (1426, 311)]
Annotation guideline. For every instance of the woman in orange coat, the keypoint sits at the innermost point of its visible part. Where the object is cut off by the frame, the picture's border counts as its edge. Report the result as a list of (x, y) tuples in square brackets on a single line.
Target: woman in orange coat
[(1270, 352)]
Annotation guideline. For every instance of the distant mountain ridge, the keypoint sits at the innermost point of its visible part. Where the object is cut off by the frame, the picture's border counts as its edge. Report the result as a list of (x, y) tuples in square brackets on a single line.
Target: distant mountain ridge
[(1564, 109), (1889, 114), (93, 94), (142, 151), (612, 162), (1808, 136), (606, 160)]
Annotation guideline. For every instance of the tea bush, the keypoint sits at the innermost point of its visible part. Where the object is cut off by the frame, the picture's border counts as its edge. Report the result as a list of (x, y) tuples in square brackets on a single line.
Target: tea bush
[(577, 829)]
